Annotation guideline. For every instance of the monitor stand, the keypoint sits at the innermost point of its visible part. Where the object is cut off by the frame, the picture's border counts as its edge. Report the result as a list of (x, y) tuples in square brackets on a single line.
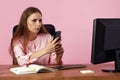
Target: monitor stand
[(116, 67), (110, 69)]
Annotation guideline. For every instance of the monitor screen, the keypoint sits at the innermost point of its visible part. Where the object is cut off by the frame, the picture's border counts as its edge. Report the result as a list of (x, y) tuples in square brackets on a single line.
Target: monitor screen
[(106, 42)]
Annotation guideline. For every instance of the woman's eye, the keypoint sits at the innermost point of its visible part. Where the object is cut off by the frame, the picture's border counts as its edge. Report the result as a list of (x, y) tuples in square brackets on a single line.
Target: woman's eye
[(40, 20), (34, 20)]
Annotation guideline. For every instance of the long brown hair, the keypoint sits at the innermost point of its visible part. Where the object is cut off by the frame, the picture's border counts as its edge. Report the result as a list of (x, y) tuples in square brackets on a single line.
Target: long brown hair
[(22, 29)]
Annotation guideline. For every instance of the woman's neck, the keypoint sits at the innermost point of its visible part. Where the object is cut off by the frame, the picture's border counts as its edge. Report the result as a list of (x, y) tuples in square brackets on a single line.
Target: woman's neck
[(32, 36)]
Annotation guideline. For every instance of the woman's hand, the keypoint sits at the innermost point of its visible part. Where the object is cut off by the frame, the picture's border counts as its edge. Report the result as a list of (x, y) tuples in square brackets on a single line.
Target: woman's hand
[(59, 53), (56, 46), (50, 47)]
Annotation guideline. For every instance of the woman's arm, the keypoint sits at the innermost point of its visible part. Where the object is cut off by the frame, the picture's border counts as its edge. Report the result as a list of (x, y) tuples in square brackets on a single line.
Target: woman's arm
[(22, 59), (31, 57), (49, 48), (59, 53)]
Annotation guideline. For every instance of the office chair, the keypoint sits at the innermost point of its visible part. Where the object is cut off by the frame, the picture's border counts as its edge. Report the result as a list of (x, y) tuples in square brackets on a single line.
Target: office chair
[(49, 27)]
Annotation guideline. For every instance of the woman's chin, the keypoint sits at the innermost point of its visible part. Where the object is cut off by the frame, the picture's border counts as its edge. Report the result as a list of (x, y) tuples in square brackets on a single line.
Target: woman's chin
[(36, 31)]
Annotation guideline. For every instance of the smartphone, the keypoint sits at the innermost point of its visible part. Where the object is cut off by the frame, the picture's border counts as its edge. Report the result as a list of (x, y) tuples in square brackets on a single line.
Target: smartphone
[(58, 34)]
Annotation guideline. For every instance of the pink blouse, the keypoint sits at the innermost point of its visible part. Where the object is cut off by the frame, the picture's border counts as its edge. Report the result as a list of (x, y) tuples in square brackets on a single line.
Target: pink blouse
[(37, 44)]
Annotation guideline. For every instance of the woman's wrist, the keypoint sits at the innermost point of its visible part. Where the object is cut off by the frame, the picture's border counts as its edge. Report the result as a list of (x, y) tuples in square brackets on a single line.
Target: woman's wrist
[(39, 53), (59, 61)]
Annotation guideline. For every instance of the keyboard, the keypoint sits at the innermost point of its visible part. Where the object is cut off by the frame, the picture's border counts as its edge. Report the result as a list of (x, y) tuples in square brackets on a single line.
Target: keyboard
[(69, 66)]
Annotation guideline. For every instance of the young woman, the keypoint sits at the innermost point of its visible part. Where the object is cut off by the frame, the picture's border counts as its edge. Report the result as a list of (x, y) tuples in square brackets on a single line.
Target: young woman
[(31, 43)]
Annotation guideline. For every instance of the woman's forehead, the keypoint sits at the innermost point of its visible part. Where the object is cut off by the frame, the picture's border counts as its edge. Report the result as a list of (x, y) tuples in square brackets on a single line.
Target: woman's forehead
[(35, 16)]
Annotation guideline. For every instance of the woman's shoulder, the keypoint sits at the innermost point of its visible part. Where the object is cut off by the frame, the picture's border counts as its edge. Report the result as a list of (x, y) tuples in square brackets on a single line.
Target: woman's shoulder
[(18, 41)]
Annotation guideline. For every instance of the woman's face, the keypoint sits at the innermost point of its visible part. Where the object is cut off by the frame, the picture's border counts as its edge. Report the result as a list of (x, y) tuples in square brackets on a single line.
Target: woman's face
[(34, 22)]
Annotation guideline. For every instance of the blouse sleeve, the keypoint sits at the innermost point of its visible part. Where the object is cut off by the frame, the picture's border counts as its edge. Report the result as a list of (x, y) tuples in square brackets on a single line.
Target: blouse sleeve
[(53, 58), (22, 59)]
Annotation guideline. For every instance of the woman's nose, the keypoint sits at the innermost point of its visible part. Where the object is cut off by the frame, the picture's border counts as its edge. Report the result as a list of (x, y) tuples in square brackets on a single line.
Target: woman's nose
[(37, 23)]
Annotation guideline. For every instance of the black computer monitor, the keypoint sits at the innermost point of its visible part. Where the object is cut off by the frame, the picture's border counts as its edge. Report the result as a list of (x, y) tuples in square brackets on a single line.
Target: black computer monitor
[(106, 42)]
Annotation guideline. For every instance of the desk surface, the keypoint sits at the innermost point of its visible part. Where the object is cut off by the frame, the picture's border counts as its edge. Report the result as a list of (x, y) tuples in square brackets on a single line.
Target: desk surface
[(71, 74)]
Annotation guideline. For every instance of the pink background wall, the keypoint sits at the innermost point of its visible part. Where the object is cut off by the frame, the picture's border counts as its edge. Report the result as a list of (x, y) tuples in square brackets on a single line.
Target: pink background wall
[(73, 17)]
